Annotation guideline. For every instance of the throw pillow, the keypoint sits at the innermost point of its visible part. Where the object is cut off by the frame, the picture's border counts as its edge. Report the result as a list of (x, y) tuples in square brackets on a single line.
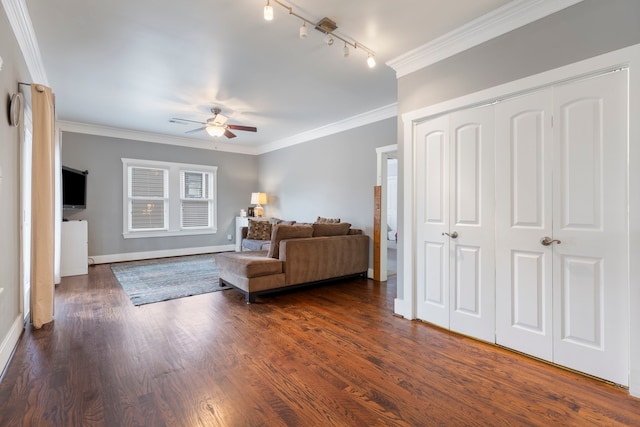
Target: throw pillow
[(322, 220), (259, 230), (335, 229), (283, 232), (276, 221)]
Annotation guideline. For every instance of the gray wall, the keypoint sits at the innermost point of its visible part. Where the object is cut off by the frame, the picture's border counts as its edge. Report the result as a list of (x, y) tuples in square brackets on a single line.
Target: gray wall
[(101, 156), (14, 70), (331, 177), (585, 30)]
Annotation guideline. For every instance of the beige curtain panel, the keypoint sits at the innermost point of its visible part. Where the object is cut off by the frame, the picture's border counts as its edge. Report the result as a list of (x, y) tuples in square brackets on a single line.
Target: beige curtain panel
[(42, 205)]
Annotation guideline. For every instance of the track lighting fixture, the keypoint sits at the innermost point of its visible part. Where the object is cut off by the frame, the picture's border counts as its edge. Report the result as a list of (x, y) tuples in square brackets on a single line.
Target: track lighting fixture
[(325, 26), (268, 12)]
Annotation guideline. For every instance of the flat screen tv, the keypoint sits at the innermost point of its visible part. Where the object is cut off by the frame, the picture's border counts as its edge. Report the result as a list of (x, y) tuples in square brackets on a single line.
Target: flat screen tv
[(74, 188)]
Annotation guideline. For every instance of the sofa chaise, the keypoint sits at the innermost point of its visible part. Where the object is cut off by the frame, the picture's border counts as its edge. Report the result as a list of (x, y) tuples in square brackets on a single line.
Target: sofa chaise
[(298, 255)]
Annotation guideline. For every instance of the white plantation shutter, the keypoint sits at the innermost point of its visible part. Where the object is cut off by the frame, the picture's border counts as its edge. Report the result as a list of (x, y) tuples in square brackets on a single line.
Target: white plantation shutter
[(168, 199), (148, 198), (196, 200)]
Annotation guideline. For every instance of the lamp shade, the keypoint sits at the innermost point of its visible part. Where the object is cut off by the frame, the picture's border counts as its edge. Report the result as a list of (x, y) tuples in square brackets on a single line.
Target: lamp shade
[(215, 131), (258, 198)]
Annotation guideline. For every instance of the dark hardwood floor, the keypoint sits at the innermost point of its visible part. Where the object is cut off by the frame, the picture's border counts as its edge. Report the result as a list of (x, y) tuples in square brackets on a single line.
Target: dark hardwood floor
[(328, 355)]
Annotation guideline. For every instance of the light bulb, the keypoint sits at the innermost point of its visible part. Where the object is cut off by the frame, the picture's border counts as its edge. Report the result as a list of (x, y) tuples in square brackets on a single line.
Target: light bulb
[(371, 62), (268, 12), (215, 131), (303, 31)]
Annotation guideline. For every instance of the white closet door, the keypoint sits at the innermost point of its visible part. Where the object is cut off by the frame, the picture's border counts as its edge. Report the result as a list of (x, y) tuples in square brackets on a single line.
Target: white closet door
[(471, 253), (432, 219), (523, 216), (591, 315)]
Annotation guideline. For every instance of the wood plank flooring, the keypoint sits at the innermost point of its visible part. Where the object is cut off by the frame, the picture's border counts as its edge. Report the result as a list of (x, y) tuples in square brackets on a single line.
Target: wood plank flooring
[(332, 355)]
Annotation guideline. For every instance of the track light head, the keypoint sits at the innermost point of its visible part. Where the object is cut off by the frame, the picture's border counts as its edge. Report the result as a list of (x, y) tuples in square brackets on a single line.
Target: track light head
[(268, 12), (346, 51), (328, 39), (371, 62), (303, 30)]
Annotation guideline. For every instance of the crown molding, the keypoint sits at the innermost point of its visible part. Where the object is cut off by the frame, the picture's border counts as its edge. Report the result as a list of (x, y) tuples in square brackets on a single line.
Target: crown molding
[(134, 135), (512, 15), (372, 116), (382, 113), (20, 22)]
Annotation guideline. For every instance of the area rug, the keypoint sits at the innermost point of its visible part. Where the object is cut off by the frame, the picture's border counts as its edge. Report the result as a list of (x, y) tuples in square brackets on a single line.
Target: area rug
[(157, 280)]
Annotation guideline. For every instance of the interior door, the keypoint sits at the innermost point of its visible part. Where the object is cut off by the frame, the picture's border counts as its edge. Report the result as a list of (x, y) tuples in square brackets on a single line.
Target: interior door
[(590, 265), (471, 231), (523, 216), (432, 217)]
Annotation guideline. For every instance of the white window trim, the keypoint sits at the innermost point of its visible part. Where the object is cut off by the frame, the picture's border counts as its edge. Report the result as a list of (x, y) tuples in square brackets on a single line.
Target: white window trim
[(174, 204)]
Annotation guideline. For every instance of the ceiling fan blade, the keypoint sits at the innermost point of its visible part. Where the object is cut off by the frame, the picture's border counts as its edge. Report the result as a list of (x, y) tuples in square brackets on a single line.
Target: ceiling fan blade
[(247, 128), (196, 130), (229, 134), (177, 120)]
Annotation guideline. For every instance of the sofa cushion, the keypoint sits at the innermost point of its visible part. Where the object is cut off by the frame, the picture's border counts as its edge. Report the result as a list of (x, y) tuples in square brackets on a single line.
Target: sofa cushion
[(283, 232), (322, 220), (255, 245), (331, 229), (259, 230), (248, 264)]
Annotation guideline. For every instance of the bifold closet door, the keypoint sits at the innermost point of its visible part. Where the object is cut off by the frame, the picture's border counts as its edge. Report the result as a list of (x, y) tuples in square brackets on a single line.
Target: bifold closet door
[(524, 198), (561, 174), (590, 270), (432, 220), (455, 217)]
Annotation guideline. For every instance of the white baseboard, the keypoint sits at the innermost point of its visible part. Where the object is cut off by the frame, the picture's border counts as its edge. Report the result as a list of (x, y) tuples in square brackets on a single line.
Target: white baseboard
[(9, 343), (135, 256)]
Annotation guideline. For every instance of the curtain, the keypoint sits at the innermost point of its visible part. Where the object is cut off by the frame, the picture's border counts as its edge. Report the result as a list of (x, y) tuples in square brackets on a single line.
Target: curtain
[(42, 206)]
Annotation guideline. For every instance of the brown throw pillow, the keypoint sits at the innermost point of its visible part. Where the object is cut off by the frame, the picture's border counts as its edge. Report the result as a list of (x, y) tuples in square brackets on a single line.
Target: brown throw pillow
[(283, 232), (336, 229), (322, 220), (259, 230), (276, 221)]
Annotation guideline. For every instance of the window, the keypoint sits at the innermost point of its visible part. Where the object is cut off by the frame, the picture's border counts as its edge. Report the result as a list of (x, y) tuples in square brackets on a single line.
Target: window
[(168, 199), (196, 200)]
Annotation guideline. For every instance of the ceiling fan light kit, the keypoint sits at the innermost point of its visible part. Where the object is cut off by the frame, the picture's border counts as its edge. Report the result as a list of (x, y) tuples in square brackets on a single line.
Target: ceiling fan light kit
[(216, 126), (326, 26)]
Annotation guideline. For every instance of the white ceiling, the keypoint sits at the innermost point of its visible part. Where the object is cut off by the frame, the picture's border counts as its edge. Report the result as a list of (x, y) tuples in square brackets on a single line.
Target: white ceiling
[(136, 64)]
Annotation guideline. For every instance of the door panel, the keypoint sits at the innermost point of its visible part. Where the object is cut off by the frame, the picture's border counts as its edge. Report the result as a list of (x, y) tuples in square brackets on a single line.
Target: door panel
[(523, 217), (590, 265), (472, 262), (432, 248)]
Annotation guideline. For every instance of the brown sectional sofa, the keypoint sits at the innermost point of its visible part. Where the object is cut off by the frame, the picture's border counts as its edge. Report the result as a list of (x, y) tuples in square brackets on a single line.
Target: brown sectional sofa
[(298, 255)]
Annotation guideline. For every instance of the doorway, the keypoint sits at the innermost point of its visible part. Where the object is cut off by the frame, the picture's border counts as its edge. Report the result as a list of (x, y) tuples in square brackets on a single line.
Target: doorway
[(387, 179)]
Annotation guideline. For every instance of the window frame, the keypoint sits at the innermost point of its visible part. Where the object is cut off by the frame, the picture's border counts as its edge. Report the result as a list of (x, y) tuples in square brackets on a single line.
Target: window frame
[(174, 199)]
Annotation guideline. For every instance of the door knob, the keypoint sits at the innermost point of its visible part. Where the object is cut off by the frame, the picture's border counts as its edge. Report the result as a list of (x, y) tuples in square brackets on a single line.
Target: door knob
[(453, 235), (546, 241)]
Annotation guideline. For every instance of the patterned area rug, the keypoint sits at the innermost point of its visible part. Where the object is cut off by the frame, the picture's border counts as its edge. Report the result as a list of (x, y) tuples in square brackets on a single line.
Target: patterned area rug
[(164, 279)]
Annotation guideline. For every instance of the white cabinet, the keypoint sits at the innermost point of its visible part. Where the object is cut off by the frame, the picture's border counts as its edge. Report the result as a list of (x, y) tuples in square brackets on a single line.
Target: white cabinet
[(241, 221), (74, 254)]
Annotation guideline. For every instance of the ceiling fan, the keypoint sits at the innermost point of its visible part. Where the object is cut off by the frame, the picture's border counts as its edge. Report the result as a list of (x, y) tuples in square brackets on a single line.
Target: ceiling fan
[(217, 125)]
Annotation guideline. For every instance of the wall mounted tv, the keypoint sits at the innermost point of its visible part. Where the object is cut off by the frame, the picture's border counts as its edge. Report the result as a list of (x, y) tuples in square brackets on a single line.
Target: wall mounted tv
[(74, 188)]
